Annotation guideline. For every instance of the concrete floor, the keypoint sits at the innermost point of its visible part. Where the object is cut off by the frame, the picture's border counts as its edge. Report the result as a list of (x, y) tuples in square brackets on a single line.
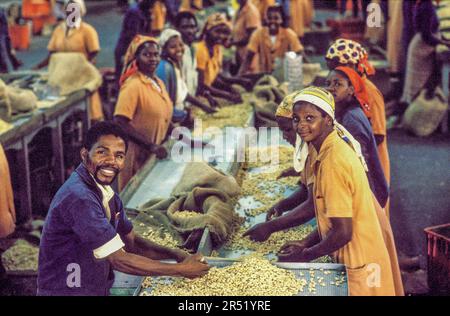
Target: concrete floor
[(420, 166)]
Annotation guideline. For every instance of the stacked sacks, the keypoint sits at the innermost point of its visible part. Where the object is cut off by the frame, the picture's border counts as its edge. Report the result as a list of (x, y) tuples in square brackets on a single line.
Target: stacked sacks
[(267, 94)]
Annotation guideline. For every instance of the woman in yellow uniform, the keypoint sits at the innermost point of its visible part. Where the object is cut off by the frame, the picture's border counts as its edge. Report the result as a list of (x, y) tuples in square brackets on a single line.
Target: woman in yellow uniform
[(302, 14), (144, 108), (191, 5), (246, 21), (350, 53), (216, 32), (348, 226), (270, 43), (7, 209), (158, 17), (81, 38)]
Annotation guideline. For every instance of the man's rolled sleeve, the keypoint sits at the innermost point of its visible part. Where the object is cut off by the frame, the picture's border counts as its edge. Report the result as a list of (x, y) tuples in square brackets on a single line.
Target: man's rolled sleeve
[(89, 223)]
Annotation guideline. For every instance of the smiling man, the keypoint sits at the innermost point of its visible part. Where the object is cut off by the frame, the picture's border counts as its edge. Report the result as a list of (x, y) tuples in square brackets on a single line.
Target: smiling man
[(87, 234)]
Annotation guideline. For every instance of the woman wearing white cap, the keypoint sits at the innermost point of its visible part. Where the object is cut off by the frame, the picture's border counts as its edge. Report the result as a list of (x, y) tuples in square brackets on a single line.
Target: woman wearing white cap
[(348, 226)]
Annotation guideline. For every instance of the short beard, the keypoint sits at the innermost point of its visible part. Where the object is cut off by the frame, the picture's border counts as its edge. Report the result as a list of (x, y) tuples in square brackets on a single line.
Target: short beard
[(97, 169)]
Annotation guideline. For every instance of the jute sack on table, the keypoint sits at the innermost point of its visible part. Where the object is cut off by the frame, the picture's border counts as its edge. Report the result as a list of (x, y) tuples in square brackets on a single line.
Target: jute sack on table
[(423, 115), (72, 72), (5, 103), (22, 100), (207, 191)]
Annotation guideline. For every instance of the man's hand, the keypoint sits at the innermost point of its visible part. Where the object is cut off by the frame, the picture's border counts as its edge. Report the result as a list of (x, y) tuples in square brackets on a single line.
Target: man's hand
[(208, 109), (272, 213), (260, 232), (290, 172), (293, 251), (235, 97), (194, 266), (180, 255), (159, 151)]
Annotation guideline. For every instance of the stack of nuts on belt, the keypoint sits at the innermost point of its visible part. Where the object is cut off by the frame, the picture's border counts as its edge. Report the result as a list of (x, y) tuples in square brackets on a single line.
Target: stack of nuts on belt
[(160, 236), (233, 115), (264, 186), (186, 214), (254, 276), (271, 245)]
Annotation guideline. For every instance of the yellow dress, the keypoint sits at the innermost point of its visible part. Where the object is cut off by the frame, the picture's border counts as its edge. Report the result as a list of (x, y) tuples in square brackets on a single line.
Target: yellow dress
[(266, 52), (7, 209), (81, 40), (378, 121), (149, 112), (341, 190), (302, 14), (158, 16), (210, 65)]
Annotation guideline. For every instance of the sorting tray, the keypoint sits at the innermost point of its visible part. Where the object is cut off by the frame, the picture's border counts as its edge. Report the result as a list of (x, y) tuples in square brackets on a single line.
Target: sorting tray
[(305, 271)]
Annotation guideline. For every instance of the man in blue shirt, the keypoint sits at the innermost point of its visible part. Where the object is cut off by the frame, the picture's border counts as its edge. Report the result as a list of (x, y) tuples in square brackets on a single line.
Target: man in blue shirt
[(87, 234)]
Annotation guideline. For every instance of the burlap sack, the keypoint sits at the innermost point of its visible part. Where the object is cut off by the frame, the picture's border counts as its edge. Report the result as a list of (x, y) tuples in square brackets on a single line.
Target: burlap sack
[(5, 103), (22, 100), (267, 80), (423, 115), (310, 72), (72, 72), (207, 191)]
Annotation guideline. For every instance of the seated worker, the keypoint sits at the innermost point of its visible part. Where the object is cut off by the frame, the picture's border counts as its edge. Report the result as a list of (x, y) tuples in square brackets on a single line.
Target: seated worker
[(158, 19), (87, 233), (191, 5), (79, 37), (186, 23), (144, 108), (349, 53), (348, 226), (209, 61), (269, 44), (170, 72), (351, 97), (246, 21)]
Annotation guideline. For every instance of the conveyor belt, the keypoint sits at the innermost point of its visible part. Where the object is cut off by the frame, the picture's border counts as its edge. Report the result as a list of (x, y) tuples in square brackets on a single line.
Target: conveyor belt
[(327, 273)]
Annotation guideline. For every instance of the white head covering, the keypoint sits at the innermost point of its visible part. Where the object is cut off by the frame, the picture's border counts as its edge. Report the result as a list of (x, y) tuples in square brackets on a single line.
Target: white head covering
[(325, 101), (166, 35)]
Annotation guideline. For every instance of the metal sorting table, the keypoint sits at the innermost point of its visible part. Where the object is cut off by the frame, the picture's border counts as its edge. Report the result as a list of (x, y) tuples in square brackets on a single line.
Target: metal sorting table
[(158, 178), (330, 272), (24, 131), (227, 257)]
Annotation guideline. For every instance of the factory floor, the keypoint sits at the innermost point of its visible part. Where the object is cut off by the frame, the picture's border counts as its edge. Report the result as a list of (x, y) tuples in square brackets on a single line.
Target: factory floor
[(419, 166)]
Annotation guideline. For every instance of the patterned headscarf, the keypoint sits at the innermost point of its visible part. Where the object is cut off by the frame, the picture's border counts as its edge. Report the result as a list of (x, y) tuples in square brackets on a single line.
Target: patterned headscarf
[(360, 89), (325, 101), (214, 20), (130, 64), (351, 52)]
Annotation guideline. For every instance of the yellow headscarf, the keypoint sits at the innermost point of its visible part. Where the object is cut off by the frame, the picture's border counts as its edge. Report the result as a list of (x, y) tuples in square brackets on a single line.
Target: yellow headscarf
[(130, 66), (214, 20), (325, 101), (286, 106)]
